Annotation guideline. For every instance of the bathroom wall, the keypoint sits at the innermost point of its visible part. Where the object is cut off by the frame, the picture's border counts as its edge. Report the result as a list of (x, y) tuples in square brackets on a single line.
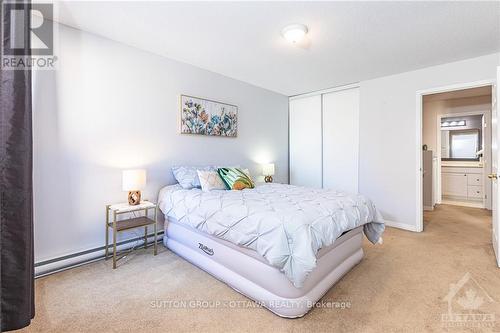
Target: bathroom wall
[(431, 110)]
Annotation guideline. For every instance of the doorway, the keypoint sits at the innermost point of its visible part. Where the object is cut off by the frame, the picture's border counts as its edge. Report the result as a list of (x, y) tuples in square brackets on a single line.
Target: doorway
[(456, 148), (459, 160), (493, 218), (457, 91), (459, 138)]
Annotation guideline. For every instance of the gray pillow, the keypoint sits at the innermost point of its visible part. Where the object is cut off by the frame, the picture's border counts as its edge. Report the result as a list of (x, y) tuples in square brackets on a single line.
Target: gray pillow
[(187, 176)]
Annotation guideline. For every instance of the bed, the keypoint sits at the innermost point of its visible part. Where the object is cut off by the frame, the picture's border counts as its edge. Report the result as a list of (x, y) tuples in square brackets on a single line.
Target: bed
[(283, 246)]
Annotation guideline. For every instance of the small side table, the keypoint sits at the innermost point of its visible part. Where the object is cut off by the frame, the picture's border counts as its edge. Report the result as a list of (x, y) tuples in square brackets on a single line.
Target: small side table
[(130, 223)]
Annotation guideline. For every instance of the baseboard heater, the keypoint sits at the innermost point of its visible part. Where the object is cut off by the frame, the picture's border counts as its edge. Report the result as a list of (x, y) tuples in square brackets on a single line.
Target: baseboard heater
[(62, 263)]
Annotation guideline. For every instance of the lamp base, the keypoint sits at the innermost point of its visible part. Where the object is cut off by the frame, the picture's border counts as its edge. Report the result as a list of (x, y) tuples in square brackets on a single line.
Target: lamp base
[(134, 198), (268, 179)]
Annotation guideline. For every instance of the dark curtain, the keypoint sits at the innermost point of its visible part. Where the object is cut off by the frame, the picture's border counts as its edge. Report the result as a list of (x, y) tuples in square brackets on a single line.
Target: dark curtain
[(16, 195)]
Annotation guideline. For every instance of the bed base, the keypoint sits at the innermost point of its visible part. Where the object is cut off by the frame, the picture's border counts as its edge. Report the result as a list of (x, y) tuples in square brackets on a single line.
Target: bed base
[(246, 272)]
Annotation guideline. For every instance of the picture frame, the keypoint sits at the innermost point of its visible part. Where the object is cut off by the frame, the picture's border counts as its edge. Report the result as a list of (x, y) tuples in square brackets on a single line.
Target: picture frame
[(203, 116)]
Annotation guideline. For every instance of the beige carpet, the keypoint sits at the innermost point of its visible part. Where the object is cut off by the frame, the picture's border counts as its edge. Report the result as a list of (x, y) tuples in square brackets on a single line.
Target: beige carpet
[(398, 287)]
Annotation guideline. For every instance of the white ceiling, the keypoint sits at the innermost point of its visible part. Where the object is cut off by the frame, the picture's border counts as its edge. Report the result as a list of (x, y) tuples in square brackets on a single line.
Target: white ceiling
[(347, 41)]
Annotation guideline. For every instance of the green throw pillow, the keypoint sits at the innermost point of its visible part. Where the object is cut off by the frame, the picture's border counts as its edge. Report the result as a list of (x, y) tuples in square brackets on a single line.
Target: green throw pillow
[(235, 178)]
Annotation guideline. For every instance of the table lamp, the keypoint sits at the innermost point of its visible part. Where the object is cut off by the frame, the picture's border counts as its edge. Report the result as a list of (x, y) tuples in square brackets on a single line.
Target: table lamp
[(268, 172), (134, 181)]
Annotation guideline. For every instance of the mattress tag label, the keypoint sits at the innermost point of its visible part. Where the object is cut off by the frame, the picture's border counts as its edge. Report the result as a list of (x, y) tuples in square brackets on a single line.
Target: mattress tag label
[(206, 249)]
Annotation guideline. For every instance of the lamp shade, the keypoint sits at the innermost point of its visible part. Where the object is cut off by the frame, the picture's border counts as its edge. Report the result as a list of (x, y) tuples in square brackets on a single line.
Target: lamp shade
[(133, 180), (268, 169)]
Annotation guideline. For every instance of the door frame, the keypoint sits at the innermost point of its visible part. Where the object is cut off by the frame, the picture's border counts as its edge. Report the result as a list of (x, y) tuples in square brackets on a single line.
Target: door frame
[(418, 149)]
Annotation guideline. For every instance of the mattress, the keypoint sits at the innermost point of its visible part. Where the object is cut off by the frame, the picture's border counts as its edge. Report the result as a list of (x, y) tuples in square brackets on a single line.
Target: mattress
[(286, 225), (249, 273)]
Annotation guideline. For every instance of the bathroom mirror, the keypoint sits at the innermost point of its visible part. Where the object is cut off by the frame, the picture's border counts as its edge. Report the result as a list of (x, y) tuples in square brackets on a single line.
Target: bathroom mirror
[(460, 145)]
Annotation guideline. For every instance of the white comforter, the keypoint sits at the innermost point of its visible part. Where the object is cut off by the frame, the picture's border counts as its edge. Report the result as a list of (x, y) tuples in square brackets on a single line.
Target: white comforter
[(285, 224)]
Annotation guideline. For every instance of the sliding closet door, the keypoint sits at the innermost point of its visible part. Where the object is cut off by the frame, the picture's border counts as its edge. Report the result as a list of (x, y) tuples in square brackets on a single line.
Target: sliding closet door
[(305, 141), (341, 140)]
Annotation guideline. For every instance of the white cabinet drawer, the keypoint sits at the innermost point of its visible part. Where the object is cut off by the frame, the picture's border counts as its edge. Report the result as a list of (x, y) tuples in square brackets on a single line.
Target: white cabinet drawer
[(474, 191), (454, 184), (475, 180)]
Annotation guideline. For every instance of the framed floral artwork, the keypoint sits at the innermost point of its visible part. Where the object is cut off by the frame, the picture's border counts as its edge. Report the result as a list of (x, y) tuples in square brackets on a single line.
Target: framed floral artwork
[(206, 117)]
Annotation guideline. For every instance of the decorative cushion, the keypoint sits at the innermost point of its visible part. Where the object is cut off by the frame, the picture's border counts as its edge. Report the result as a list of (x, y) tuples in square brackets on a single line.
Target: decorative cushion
[(187, 176), (210, 180), (235, 178)]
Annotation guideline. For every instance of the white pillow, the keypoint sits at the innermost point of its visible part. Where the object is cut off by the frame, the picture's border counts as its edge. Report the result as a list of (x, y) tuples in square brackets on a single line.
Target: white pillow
[(210, 180)]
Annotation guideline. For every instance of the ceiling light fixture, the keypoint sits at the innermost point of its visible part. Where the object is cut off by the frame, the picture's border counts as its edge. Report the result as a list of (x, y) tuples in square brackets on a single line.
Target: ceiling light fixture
[(294, 33)]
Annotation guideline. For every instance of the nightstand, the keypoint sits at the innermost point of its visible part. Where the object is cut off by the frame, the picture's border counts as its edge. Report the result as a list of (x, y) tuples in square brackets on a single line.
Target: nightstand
[(131, 223)]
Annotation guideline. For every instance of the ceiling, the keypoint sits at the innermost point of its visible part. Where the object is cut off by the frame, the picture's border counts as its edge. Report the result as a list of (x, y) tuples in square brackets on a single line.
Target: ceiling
[(347, 41), (464, 93)]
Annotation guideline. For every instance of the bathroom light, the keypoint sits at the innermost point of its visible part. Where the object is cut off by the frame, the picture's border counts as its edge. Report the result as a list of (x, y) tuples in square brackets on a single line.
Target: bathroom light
[(294, 33), (454, 123)]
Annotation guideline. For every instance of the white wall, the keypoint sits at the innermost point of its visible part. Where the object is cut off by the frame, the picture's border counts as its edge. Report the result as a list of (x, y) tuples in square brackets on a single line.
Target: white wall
[(388, 132), (109, 107)]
